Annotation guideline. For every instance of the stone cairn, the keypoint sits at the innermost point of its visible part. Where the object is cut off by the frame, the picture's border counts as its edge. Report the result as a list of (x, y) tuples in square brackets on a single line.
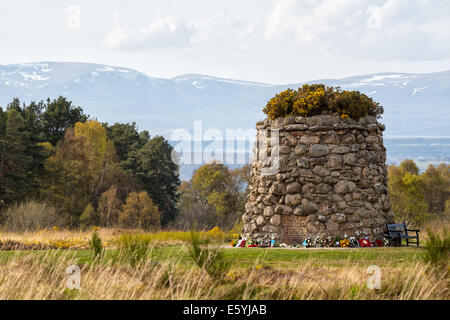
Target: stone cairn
[(331, 180)]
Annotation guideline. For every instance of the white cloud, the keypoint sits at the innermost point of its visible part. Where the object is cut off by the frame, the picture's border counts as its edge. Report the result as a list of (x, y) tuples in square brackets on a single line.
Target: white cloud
[(374, 18), (224, 31), (218, 31), (381, 30), (273, 41), (166, 32)]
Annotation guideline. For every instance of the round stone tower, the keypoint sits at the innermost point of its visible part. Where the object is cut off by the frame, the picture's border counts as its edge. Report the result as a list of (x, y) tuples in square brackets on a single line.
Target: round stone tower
[(317, 176)]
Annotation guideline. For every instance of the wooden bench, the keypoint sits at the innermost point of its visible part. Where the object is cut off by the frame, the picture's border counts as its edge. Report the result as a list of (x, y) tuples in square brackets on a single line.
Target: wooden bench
[(398, 231)]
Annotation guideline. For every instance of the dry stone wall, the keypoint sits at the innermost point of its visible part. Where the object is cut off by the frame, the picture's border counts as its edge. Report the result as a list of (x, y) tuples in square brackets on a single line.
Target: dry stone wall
[(331, 180)]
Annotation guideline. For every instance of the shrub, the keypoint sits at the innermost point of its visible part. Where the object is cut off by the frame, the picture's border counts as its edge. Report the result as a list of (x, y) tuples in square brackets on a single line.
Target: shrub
[(216, 234), (140, 212), (31, 216), (438, 249), (317, 99), (96, 246)]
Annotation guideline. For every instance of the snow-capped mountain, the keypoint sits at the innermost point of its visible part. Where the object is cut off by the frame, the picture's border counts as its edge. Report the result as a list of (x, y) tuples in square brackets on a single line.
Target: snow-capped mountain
[(415, 104)]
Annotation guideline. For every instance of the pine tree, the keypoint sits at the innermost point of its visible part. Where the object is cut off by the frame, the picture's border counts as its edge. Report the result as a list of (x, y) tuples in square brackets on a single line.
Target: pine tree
[(16, 163), (125, 138), (33, 125), (2, 122), (59, 115), (3, 118), (153, 166)]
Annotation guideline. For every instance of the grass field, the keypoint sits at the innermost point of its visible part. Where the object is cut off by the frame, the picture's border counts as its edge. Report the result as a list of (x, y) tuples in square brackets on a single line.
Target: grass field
[(166, 270), (243, 258)]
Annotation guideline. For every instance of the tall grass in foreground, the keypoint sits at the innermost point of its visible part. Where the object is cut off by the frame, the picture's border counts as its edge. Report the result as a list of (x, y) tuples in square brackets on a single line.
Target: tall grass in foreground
[(438, 249), (210, 259), (133, 249), (43, 276)]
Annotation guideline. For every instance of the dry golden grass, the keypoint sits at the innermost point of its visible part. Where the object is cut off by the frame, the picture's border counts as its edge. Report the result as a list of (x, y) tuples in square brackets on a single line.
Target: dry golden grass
[(34, 276), (79, 239), (436, 226), (57, 234), (42, 274)]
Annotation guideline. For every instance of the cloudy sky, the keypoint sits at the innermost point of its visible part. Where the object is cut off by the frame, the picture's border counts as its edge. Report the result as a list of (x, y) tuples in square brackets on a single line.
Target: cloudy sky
[(270, 41)]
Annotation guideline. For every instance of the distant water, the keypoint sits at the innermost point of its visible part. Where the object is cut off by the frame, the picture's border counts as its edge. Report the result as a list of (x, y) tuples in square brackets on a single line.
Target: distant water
[(423, 150)]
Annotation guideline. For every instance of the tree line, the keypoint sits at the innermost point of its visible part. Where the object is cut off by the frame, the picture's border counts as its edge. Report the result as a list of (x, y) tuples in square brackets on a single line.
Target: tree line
[(94, 173), (418, 197)]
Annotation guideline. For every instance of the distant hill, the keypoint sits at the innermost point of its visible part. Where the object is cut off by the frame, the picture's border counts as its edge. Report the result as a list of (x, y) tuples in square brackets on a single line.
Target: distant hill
[(416, 105)]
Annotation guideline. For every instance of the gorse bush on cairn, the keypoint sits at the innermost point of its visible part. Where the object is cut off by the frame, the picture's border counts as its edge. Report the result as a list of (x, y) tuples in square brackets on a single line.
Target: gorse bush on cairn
[(315, 99)]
